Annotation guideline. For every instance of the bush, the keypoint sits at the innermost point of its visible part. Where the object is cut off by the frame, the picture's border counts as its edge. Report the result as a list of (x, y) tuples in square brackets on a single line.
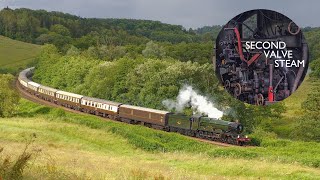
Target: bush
[(259, 135), (307, 128), (14, 169), (57, 113), (9, 97), (30, 109)]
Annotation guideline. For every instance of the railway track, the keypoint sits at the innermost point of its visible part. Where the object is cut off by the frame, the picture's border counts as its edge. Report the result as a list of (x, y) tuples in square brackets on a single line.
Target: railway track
[(34, 99)]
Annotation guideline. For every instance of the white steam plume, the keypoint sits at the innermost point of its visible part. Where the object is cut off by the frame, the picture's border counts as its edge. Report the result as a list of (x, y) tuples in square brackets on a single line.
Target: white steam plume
[(200, 104)]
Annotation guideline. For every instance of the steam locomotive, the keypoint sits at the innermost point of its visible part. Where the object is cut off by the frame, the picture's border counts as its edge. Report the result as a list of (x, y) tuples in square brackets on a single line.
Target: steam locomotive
[(196, 126)]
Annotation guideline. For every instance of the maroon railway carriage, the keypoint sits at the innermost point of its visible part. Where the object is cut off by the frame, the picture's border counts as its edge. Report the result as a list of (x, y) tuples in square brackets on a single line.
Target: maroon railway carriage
[(150, 117)]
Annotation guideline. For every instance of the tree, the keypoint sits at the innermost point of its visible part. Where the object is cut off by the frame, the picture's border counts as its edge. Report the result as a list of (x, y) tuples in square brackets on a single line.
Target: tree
[(60, 29), (73, 51), (153, 50), (307, 126), (9, 98)]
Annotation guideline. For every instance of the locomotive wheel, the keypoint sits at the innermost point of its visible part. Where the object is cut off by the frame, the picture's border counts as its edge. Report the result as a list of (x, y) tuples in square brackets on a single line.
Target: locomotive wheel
[(227, 85), (259, 100), (237, 90), (229, 140)]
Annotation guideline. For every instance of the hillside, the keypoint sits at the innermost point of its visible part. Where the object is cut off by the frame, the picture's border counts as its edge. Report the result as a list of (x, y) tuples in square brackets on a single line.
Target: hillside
[(293, 103), (16, 54), (69, 146)]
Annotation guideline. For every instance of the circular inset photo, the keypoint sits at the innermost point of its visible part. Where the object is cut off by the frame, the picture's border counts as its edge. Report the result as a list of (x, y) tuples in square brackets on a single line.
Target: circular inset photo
[(261, 57)]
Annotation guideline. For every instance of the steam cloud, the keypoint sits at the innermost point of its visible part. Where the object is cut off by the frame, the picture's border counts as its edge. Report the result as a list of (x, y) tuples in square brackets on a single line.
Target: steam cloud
[(200, 104)]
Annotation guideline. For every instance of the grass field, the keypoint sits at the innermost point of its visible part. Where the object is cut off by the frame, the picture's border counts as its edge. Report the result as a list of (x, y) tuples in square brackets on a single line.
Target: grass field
[(16, 54), (293, 102), (85, 147)]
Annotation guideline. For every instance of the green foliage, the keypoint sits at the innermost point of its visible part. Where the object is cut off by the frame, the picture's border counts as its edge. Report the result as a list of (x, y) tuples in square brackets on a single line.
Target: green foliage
[(315, 67), (110, 37), (259, 134), (63, 72), (312, 37), (34, 25), (9, 98), (307, 128), (27, 109), (195, 52), (144, 82), (153, 50), (73, 51), (60, 29)]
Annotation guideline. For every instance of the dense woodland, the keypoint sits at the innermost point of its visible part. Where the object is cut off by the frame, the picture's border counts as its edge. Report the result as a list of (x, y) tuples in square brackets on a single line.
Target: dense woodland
[(115, 35), (143, 62)]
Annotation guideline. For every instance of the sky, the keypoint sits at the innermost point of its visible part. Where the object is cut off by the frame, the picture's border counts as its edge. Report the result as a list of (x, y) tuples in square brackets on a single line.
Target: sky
[(188, 13)]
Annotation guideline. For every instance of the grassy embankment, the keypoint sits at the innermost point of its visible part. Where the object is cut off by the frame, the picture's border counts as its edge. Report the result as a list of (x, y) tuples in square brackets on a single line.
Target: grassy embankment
[(16, 54), (82, 146), (294, 109)]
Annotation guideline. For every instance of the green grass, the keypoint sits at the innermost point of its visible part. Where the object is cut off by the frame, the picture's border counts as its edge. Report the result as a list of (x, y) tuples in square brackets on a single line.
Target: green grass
[(283, 127), (293, 102), (83, 146), (16, 54)]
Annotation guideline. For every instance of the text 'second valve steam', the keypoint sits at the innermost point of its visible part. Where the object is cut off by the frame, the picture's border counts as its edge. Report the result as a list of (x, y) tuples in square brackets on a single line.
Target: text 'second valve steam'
[(261, 57)]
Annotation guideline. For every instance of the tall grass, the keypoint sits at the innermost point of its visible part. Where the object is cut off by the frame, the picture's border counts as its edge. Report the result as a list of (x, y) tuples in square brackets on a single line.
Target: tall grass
[(150, 140), (13, 169)]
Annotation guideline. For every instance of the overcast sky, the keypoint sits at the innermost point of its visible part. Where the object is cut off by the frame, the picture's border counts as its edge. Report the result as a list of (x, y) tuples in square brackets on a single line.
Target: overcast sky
[(189, 13)]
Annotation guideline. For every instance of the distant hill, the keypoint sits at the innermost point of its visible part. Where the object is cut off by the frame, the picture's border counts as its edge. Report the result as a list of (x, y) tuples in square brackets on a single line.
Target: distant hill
[(15, 55), (40, 26)]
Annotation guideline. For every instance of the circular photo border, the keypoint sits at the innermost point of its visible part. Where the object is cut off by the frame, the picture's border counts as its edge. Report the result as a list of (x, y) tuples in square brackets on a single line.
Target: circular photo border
[(262, 57)]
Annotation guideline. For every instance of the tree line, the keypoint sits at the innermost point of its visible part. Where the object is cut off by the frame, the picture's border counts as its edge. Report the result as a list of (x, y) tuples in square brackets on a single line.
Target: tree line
[(65, 30)]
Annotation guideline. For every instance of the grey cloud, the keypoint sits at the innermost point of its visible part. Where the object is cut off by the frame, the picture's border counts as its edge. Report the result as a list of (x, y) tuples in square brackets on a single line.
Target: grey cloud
[(189, 13)]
